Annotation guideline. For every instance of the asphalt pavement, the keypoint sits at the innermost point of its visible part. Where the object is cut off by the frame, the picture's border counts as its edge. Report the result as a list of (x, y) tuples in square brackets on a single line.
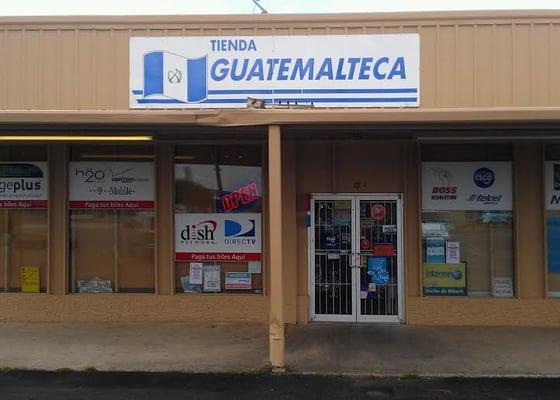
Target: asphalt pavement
[(89, 384)]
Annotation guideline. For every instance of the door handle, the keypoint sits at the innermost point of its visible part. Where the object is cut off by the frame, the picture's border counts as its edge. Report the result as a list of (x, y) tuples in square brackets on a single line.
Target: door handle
[(358, 260)]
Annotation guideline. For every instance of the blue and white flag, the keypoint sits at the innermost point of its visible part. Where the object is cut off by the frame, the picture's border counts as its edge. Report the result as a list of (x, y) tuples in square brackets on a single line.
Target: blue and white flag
[(175, 77)]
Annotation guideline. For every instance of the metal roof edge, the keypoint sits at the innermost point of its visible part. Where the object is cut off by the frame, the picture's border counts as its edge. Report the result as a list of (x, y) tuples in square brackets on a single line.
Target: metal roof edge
[(232, 19), (244, 117)]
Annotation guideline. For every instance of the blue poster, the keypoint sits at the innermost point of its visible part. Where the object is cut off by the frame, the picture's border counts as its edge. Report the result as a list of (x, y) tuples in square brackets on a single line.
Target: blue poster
[(553, 244), (435, 251), (377, 269)]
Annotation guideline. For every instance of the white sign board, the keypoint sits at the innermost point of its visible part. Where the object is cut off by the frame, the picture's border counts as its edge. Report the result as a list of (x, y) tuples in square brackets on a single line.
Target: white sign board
[(212, 278), (502, 287), (24, 184), (218, 237), (463, 186), (111, 185), (552, 185), (195, 276), (327, 70), (238, 281), (452, 253)]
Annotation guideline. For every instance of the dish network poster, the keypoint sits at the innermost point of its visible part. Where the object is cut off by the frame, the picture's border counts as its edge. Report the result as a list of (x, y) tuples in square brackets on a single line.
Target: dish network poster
[(111, 185), (218, 237)]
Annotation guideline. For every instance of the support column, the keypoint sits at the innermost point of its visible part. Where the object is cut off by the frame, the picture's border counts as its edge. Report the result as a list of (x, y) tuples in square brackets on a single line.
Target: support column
[(58, 219), (165, 228), (276, 313)]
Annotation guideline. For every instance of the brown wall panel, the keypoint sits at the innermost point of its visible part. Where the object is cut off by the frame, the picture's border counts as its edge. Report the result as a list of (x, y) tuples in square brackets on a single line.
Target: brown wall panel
[(58, 219), (483, 312), (465, 61), (529, 216), (411, 206), (133, 308), (165, 217), (289, 233)]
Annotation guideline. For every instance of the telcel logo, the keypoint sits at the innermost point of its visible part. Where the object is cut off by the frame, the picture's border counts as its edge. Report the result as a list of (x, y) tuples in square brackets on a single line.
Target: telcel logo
[(484, 177)]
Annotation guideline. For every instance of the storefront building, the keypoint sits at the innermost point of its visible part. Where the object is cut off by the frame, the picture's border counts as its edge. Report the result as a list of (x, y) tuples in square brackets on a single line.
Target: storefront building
[(284, 169)]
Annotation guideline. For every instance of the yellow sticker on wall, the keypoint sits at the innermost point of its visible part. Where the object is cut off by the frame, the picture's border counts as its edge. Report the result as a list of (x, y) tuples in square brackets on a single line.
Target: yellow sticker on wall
[(30, 279)]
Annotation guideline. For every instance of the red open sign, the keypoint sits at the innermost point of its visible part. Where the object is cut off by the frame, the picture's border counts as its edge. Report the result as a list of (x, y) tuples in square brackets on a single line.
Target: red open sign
[(240, 197)]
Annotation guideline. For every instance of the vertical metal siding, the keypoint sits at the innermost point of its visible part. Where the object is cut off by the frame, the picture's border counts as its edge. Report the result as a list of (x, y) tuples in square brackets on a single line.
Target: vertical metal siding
[(486, 64)]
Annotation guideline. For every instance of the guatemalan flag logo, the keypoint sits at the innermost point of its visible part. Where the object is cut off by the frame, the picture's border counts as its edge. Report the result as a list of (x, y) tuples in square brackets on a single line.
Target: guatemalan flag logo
[(175, 77)]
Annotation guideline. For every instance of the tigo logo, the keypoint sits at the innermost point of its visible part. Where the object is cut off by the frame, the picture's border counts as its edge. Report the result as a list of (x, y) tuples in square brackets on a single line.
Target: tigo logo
[(484, 177)]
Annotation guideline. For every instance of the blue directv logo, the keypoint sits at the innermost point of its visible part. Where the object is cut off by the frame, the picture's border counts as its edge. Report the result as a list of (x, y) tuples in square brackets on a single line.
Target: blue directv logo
[(236, 229)]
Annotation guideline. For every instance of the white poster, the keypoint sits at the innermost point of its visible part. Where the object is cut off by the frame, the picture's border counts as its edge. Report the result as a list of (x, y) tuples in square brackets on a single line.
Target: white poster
[(111, 185), (463, 186), (24, 184), (381, 70), (552, 185), (218, 237), (195, 276), (212, 278), (502, 287), (452, 253)]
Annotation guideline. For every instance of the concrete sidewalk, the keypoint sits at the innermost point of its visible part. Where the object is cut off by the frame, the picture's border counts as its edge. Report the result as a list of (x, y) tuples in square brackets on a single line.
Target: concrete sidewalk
[(314, 348), (424, 350), (134, 346)]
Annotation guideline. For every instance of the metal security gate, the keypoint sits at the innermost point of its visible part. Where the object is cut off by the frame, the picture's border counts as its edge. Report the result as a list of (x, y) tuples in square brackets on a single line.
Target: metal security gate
[(355, 258)]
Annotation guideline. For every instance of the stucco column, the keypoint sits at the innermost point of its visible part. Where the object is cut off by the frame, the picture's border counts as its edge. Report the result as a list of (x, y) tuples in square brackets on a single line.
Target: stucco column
[(276, 314)]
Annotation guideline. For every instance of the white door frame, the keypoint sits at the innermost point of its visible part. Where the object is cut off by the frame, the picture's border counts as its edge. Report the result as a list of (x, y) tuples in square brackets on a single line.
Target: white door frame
[(311, 261), (356, 315)]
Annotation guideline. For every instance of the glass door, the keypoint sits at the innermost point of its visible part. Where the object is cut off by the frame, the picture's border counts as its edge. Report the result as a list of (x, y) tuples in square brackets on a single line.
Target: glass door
[(379, 263), (332, 258), (355, 258)]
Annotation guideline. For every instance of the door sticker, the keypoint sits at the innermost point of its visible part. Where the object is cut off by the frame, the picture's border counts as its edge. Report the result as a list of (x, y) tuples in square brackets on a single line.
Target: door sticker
[(378, 212)]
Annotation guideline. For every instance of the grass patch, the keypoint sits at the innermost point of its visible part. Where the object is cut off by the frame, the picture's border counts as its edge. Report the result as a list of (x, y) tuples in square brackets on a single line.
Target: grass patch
[(411, 376), (63, 370), (89, 370)]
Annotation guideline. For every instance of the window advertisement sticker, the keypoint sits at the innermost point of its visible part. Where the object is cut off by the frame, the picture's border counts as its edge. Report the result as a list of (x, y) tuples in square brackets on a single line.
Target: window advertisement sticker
[(24, 185), (444, 279), (212, 278), (238, 281), (464, 186), (217, 237), (115, 185), (552, 185)]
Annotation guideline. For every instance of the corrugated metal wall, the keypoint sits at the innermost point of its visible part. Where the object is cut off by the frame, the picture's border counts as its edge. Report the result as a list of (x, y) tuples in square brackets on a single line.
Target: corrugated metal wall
[(467, 60)]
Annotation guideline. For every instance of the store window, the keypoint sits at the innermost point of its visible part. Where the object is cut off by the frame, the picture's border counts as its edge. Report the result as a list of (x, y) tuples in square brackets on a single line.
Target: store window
[(218, 206), (24, 195), (552, 204), (111, 232), (467, 220)]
